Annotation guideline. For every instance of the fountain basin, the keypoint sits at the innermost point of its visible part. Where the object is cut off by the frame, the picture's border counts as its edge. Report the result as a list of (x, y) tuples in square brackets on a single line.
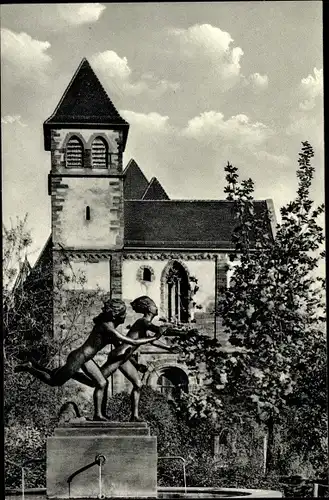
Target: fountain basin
[(166, 493), (212, 492)]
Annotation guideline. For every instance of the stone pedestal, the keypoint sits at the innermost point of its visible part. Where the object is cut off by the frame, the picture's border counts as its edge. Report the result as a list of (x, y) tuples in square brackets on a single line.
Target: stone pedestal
[(129, 469)]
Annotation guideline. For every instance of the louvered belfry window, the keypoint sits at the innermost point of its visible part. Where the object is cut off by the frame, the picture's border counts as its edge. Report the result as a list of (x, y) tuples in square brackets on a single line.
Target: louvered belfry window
[(99, 153), (74, 153)]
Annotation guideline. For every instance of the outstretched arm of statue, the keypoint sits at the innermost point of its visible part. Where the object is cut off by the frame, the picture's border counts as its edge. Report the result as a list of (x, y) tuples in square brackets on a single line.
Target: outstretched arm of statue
[(160, 344), (125, 339)]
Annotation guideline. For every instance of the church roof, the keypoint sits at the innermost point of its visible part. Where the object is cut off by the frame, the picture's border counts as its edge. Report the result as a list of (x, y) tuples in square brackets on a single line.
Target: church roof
[(135, 182), (155, 191), (85, 103), (175, 224), (137, 187), (24, 270)]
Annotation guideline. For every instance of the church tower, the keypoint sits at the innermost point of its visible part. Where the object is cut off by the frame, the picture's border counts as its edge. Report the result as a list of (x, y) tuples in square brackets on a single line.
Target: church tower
[(86, 137)]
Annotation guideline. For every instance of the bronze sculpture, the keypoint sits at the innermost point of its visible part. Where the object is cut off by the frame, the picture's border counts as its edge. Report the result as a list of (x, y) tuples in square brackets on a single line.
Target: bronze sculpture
[(103, 333), (121, 357)]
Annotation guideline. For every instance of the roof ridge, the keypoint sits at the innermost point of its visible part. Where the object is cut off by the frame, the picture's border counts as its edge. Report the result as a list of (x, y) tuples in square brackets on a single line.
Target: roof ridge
[(128, 165), (100, 83), (84, 59), (42, 251), (132, 160), (193, 200), (148, 187)]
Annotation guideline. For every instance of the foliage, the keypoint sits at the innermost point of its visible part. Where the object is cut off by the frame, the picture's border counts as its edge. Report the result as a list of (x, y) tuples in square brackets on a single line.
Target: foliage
[(193, 439), (274, 315), (161, 415), (24, 443)]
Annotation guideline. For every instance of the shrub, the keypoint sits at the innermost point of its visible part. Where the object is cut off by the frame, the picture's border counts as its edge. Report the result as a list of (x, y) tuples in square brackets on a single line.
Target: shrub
[(24, 443)]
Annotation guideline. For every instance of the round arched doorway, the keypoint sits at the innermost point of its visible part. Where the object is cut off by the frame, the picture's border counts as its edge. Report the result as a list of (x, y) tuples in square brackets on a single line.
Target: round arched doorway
[(171, 382)]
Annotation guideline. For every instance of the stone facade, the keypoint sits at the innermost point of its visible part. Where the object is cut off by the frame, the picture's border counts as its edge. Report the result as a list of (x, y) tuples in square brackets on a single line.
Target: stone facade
[(73, 190)]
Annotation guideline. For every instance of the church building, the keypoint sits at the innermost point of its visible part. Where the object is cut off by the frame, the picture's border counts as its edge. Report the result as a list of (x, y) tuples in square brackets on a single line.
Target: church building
[(125, 233)]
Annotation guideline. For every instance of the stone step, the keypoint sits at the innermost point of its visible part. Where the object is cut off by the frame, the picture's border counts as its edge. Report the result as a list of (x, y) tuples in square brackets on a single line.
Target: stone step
[(103, 425), (102, 431)]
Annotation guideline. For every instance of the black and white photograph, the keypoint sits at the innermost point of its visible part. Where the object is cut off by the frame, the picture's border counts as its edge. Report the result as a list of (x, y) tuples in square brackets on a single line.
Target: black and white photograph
[(164, 284)]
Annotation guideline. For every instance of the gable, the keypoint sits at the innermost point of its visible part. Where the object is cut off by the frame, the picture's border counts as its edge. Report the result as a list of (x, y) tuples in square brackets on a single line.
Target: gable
[(135, 182), (155, 191)]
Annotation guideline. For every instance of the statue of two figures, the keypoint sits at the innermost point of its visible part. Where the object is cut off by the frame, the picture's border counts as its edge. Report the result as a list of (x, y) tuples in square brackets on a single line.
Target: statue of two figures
[(80, 364)]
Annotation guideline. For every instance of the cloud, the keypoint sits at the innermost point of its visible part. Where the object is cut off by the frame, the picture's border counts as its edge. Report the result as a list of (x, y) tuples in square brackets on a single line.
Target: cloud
[(211, 126), (152, 122), (81, 13), (283, 160), (10, 119), (306, 127), (306, 121), (257, 81), (311, 89), (301, 125), (118, 76), (24, 55), (209, 47)]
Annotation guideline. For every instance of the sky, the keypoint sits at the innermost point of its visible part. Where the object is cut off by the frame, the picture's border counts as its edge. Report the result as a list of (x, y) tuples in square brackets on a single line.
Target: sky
[(200, 84)]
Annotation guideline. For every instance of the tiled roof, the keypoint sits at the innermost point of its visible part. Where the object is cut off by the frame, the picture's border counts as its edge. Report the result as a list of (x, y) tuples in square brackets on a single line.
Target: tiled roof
[(135, 182), (180, 224), (155, 191), (85, 102)]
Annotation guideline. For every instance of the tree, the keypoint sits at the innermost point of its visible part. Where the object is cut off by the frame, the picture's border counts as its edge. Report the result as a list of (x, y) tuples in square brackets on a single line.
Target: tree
[(273, 312)]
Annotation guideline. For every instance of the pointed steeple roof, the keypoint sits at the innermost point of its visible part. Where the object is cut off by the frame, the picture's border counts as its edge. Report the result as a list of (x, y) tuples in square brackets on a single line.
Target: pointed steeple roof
[(135, 182), (155, 191), (85, 103)]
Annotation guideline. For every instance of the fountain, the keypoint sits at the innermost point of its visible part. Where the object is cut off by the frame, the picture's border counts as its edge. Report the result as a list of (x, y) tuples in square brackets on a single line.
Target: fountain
[(98, 458), (87, 460)]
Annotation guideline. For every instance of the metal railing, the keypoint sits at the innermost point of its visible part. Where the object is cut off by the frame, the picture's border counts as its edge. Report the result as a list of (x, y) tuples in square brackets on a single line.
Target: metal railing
[(99, 460), (176, 457)]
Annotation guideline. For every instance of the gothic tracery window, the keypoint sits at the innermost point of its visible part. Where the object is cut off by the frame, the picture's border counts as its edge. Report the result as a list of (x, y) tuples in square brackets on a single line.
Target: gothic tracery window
[(177, 294)]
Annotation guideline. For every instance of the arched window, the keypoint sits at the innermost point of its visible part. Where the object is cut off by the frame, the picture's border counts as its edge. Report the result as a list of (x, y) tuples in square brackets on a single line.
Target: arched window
[(74, 153), (147, 274), (99, 153), (175, 293)]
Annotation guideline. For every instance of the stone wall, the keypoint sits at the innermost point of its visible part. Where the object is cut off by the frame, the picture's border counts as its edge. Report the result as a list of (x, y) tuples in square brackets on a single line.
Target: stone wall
[(70, 227)]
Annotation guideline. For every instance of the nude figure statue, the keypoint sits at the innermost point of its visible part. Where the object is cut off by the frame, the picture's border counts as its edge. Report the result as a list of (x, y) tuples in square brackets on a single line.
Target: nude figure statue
[(103, 333), (121, 356)]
